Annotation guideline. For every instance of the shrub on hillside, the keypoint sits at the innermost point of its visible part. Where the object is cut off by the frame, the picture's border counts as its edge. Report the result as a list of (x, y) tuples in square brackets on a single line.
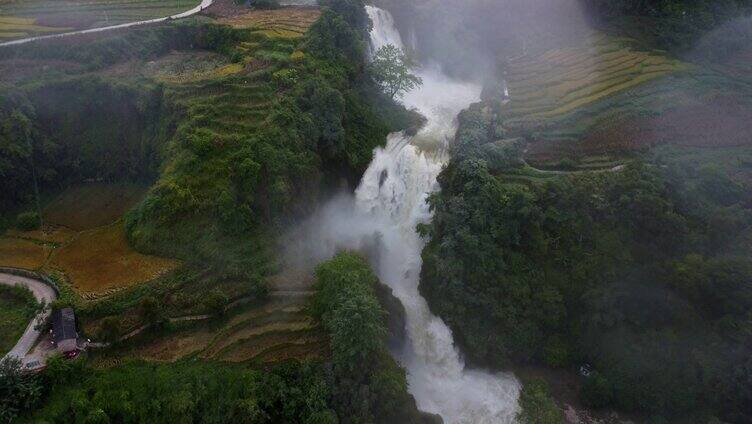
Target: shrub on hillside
[(28, 221), (19, 390), (265, 4), (536, 404)]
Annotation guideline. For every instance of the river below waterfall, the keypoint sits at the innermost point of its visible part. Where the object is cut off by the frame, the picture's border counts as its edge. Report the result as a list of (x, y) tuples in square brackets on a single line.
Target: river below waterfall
[(382, 218)]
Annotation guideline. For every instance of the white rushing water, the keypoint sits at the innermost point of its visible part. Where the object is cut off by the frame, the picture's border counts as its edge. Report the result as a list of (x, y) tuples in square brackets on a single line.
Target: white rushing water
[(382, 218), (394, 189)]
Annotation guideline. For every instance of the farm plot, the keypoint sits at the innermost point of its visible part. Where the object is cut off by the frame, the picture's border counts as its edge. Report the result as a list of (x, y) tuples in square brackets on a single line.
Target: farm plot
[(21, 253), (28, 18), (289, 23), (83, 237), (604, 97), (100, 260), (93, 205), (561, 81)]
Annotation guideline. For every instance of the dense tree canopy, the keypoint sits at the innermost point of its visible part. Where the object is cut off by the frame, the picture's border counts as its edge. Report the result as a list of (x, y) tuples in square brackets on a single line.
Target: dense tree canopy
[(629, 271)]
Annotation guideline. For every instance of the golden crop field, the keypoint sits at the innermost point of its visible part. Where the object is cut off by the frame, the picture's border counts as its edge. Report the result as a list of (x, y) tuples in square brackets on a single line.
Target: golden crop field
[(278, 23), (562, 80), (20, 253), (100, 260)]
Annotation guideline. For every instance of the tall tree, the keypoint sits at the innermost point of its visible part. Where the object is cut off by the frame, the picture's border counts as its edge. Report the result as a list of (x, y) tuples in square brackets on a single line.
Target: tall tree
[(391, 69)]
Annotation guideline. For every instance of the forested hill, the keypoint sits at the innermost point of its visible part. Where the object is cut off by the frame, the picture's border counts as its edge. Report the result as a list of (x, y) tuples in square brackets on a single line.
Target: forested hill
[(598, 224), (669, 24), (150, 172)]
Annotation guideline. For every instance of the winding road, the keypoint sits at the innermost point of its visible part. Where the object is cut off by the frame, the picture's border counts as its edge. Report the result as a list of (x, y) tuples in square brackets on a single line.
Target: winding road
[(44, 294), (203, 5)]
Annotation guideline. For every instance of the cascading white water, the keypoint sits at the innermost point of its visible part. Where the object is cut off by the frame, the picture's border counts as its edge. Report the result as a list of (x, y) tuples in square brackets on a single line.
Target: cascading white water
[(382, 218), (394, 191)]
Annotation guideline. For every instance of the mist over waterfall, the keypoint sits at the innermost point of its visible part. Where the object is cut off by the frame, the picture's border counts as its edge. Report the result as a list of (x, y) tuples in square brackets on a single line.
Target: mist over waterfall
[(381, 219)]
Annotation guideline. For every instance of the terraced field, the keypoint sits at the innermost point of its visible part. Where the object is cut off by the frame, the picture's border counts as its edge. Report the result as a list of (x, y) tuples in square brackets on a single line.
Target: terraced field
[(288, 23), (272, 332), (231, 101), (561, 81), (602, 98), (26, 18)]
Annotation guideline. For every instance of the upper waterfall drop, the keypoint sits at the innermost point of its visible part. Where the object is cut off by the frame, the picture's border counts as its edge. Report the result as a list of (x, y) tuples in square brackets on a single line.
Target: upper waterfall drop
[(384, 30)]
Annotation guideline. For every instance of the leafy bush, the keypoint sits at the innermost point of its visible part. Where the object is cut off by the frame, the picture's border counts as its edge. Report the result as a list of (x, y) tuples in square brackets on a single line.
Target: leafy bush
[(265, 4), (19, 390), (28, 221)]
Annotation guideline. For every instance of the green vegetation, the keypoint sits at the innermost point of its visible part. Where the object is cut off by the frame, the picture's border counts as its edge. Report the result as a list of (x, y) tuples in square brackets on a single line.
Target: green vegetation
[(19, 390), (186, 392), (536, 405), (28, 221), (670, 24), (17, 307), (235, 155), (62, 132), (253, 150), (265, 4), (233, 151), (390, 68), (362, 383), (641, 272), (368, 384)]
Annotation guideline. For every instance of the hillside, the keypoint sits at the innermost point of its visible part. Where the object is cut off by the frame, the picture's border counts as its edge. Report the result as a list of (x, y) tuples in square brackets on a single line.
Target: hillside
[(599, 216), (160, 227), (608, 97)]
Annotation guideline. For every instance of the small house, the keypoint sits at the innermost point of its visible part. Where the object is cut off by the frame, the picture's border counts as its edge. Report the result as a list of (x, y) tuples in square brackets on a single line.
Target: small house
[(64, 332)]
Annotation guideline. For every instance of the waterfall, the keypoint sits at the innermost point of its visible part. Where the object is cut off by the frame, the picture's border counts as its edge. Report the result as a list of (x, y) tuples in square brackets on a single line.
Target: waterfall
[(384, 30), (382, 218), (393, 192)]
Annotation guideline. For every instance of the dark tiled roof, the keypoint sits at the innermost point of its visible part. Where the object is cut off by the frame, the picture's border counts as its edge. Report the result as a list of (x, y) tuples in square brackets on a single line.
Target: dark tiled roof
[(64, 325)]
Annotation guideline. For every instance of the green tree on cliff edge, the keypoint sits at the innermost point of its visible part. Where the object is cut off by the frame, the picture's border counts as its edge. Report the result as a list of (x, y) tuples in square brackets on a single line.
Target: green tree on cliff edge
[(391, 70)]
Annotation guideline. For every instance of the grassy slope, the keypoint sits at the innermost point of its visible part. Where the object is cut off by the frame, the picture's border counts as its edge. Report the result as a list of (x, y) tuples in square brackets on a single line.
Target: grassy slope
[(39, 17), (17, 308)]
